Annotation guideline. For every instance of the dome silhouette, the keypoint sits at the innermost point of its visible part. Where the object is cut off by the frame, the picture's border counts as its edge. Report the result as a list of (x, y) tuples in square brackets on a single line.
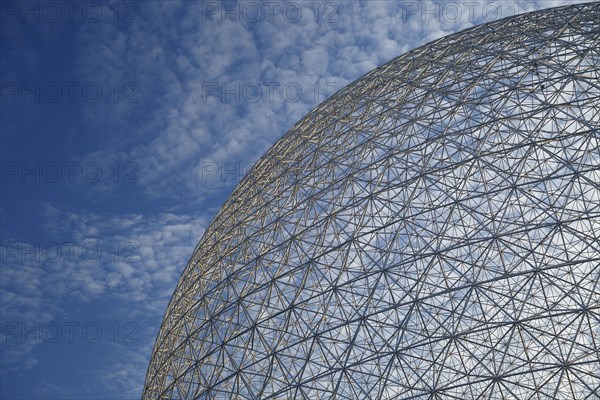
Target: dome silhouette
[(430, 231)]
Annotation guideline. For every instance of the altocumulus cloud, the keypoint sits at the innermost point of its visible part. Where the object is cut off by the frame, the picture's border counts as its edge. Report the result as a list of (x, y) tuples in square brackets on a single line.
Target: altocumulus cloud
[(131, 261), (222, 85), (208, 93)]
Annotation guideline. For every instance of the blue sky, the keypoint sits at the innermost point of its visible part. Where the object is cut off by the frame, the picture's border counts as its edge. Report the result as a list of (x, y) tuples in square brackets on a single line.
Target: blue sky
[(124, 126)]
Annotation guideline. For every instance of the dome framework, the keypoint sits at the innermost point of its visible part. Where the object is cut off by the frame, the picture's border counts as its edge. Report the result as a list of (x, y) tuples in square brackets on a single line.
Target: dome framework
[(430, 231)]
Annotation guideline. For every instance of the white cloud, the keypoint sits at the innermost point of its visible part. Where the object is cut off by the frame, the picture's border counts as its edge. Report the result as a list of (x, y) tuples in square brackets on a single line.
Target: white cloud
[(177, 133), (131, 260)]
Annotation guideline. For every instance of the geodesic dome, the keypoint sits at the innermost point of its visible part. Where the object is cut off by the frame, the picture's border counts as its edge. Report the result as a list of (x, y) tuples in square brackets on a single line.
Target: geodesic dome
[(430, 231)]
